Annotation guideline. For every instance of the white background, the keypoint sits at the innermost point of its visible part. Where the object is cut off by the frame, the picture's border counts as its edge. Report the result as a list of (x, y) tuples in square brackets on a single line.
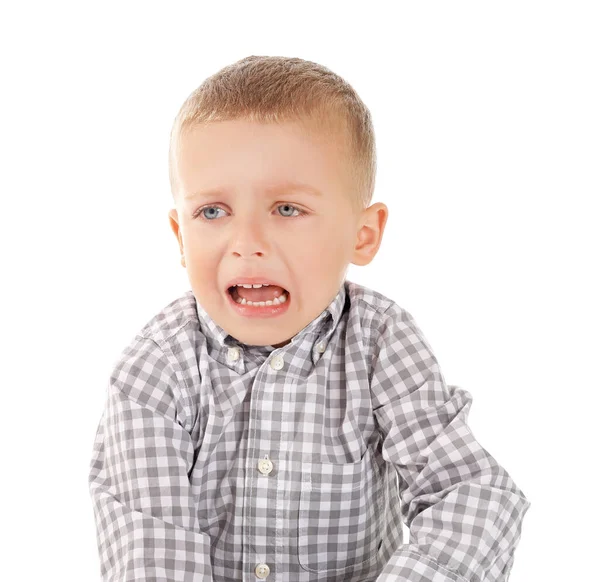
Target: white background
[(488, 135)]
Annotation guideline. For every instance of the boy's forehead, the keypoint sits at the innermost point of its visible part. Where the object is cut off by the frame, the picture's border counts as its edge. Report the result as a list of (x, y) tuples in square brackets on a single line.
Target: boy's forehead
[(211, 158)]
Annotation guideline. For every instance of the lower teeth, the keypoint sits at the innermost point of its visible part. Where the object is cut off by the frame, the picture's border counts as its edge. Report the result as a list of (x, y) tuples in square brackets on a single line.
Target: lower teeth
[(277, 301)]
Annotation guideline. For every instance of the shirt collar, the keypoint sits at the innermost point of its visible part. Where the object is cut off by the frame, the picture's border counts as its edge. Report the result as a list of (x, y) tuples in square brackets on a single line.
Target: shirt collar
[(335, 309)]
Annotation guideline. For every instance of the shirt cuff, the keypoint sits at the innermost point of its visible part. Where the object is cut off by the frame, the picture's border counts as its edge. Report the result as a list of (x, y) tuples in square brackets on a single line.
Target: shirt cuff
[(411, 566)]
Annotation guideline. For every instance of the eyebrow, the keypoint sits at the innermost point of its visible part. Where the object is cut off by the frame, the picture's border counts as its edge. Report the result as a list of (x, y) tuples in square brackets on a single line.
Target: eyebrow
[(282, 186)]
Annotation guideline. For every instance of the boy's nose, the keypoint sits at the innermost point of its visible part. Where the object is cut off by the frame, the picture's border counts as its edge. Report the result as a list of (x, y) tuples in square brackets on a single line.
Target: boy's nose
[(250, 238)]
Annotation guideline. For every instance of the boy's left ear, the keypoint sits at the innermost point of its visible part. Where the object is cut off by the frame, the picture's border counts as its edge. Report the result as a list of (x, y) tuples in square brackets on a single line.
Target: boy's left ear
[(370, 233)]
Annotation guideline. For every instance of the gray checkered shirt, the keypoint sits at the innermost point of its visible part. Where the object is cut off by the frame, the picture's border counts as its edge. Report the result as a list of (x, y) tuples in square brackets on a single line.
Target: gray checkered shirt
[(216, 460)]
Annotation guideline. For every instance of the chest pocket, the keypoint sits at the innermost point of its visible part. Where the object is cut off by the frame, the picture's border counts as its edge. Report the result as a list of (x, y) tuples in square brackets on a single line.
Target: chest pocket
[(340, 522)]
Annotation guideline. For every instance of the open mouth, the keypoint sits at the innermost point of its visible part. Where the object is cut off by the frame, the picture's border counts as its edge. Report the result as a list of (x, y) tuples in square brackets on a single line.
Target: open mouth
[(259, 297)]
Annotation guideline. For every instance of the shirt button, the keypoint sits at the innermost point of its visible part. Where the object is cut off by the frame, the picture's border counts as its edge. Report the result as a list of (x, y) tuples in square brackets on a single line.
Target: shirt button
[(276, 362), (233, 354), (265, 466), (262, 570), (321, 347)]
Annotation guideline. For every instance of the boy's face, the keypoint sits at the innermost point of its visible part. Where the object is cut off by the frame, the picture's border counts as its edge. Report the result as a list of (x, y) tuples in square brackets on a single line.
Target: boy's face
[(251, 224)]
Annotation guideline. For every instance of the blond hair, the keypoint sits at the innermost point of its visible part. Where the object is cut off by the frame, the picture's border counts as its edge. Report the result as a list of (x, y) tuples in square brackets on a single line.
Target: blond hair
[(272, 89)]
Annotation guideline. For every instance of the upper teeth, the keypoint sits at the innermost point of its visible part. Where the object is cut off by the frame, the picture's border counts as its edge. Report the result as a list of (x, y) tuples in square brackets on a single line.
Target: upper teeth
[(250, 286)]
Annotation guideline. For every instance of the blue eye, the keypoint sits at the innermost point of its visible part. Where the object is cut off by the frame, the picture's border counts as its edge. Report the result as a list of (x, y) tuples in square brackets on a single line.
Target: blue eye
[(292, 207), (202, 210)]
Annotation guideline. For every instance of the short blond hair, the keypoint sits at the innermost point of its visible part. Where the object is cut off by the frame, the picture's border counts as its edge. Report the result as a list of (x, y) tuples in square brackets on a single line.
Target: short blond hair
[(273, 89)]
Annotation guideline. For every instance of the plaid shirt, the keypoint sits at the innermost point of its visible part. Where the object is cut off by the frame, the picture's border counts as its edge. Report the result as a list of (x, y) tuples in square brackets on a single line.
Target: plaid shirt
[(216, 460)]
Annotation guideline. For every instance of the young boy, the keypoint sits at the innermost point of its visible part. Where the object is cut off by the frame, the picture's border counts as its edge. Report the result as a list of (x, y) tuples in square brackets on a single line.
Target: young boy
[(277, 421)]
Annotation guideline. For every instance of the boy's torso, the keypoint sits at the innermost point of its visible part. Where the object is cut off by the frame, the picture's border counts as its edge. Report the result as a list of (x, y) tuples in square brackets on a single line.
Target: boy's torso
[(288, 469)]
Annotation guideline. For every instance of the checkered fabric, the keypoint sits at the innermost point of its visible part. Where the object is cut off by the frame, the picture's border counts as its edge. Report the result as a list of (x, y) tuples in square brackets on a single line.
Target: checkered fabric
[(216, 460)]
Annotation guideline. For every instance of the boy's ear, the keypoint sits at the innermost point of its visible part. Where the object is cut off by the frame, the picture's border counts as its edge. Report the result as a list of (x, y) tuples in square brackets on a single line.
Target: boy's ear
[(370, 233), (174, 222)]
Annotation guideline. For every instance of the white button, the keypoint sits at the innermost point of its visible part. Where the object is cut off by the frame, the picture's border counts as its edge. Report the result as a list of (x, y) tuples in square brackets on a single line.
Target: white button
[(321, 347), (233, 354), (265, 466), (262, 571), (276, 362)]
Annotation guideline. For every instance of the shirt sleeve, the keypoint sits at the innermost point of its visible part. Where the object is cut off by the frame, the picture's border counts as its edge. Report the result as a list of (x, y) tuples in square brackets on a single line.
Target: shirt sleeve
[(463, 510), (146, 518)]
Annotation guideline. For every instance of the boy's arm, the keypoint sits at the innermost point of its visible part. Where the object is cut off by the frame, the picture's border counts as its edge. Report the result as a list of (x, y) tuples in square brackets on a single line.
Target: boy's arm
[(463, 510), (146, 517)]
